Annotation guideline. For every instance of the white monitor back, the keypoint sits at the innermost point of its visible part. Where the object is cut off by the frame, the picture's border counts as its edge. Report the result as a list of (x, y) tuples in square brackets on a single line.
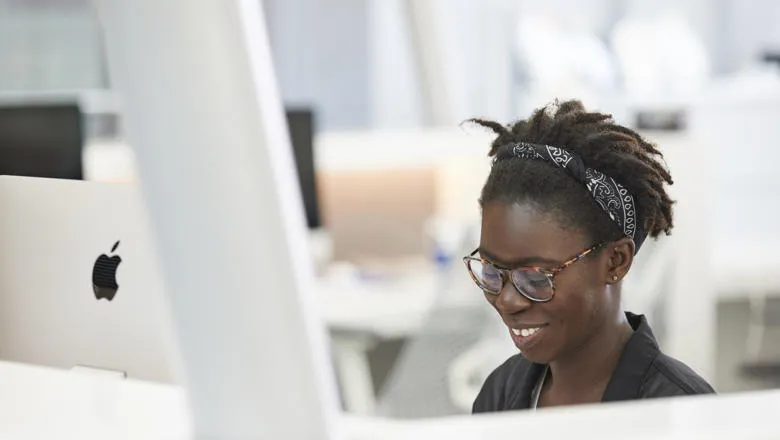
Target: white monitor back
[(53, 231)]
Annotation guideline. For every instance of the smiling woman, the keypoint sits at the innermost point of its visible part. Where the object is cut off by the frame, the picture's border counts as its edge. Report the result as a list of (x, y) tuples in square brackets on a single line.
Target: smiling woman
[(570, 198)]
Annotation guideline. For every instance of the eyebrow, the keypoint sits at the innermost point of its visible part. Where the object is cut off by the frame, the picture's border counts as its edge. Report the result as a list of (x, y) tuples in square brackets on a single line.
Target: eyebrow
[(528, 261)]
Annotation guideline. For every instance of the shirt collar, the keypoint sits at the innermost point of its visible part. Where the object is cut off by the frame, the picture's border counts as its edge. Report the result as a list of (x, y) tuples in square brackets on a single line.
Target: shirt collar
[(638, 354)]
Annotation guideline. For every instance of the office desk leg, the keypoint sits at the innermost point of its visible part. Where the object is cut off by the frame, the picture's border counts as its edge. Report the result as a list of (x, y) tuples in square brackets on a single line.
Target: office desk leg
[(354, 372)]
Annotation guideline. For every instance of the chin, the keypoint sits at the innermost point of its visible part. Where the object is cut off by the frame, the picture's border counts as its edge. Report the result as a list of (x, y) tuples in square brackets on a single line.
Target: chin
[(538, 356)]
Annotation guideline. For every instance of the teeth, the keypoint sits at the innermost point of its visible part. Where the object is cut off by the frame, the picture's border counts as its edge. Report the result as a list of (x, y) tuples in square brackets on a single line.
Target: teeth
[(525, 332)]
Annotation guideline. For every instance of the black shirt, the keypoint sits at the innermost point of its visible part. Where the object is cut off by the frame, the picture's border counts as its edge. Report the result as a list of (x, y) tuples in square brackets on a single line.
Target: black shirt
[(642, 372)]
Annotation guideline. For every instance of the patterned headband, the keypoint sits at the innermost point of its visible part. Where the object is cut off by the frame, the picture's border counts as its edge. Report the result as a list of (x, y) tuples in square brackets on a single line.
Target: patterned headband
[(611, 196)]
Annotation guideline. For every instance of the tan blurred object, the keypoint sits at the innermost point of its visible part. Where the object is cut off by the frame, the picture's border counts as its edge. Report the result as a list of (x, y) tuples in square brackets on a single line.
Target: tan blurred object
[(377, 213), (378, 189), (459, 181)]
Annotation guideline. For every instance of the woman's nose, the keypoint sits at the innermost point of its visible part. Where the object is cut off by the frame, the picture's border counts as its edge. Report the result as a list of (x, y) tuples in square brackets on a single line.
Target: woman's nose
[(511, 301)]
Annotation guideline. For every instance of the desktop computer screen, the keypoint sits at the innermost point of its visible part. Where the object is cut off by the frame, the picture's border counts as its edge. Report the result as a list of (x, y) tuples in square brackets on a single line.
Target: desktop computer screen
[(41, 140), (301, 123)]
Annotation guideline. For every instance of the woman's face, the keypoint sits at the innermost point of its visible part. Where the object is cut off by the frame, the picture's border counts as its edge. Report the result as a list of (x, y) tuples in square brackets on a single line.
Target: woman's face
[(515, 235)]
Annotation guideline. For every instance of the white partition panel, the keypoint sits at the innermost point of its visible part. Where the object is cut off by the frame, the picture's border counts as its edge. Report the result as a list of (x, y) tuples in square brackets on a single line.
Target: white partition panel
[(203, 113)]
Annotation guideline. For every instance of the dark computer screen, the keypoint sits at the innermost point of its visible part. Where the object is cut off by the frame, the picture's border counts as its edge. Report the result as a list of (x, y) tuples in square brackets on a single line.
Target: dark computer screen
[(40, 140), (301, 124)]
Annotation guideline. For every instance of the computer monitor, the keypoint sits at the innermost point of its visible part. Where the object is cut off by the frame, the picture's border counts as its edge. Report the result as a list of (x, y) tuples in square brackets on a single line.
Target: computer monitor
[(301, 124), (80, 285), (41, 140)]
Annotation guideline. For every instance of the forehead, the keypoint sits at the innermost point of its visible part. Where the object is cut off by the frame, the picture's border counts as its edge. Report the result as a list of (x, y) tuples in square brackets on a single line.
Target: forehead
[(516, 232)]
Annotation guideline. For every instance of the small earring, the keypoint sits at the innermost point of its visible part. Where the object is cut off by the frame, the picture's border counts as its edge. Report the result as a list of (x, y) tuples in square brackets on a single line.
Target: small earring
[(614, 277)]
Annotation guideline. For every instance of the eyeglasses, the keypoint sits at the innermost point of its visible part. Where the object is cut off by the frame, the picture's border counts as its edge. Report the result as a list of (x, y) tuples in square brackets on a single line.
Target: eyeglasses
[(534, 283)]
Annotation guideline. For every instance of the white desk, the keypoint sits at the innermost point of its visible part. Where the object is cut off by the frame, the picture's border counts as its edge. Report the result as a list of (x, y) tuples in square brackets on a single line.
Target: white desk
[(359, 314), (743, 270), (39, 402), (387, 309)]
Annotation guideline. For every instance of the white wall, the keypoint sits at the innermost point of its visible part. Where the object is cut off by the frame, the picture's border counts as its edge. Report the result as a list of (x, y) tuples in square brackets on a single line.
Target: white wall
[(46, 45), (752, 26), (320, 51), (395, 90), (354, 59)]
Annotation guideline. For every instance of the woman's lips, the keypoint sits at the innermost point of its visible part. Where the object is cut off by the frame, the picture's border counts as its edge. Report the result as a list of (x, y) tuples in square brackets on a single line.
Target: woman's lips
[(526, 337)]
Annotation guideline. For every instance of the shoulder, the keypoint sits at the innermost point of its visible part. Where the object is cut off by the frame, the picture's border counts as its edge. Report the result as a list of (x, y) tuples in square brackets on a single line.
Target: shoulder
[(668, 377), (645, 371), (503, 386)]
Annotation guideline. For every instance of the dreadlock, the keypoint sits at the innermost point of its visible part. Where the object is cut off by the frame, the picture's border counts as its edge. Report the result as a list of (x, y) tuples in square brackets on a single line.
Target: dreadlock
[(612, 149)]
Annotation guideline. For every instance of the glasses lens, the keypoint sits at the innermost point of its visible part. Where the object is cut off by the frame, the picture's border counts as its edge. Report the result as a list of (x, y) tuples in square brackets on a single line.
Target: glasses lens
[(486, 276), (533, 284)]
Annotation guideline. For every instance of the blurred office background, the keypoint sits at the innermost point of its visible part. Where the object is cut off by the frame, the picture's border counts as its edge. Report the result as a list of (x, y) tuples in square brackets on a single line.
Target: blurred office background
[(376, 91)]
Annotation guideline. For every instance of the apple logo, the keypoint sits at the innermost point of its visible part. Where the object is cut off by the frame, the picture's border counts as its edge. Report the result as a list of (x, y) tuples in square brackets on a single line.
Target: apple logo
[(104, 275)]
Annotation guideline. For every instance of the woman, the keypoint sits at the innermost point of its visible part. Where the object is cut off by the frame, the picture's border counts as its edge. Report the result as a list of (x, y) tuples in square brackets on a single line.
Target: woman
[(569, 200)]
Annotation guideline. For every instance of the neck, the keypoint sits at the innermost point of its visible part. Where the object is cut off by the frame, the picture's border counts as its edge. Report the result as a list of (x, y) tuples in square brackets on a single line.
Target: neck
[(584, 375)]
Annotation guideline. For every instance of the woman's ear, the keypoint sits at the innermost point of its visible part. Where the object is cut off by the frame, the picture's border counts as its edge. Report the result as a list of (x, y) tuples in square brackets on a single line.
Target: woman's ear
[(621, 256)]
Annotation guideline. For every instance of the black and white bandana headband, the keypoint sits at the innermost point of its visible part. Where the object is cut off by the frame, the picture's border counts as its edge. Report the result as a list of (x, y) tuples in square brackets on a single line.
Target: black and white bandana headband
[(611, 196)]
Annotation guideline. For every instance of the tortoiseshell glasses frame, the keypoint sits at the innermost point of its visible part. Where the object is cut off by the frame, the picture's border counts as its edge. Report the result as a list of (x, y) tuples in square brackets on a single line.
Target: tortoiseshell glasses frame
[(533, 282)]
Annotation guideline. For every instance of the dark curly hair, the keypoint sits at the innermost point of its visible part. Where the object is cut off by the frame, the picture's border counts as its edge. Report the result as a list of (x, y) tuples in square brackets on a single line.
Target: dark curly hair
[(604, 145)]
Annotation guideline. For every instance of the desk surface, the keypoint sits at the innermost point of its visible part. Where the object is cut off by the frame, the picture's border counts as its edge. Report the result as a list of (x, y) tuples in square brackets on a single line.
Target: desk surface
[(387, 309), (39, 402)]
